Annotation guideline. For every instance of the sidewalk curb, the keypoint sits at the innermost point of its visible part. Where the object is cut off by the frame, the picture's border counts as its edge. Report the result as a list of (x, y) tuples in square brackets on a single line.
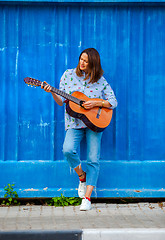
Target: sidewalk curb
[(124, 234), (41, 235), (87, 234)]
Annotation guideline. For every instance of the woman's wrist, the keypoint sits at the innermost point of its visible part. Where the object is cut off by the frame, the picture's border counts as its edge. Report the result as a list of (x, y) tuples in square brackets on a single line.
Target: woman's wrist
[(103, 103), (100, 103)]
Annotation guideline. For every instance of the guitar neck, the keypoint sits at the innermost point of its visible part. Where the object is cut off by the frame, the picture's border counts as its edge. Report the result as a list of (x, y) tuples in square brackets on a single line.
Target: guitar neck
[(65, 95)]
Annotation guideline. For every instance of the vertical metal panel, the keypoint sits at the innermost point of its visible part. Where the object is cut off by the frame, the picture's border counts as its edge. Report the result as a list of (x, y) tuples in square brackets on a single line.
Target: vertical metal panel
[(41, 41)]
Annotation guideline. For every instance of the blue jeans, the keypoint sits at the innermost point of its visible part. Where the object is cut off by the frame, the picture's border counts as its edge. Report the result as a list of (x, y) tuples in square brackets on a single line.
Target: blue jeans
[(72, 141)]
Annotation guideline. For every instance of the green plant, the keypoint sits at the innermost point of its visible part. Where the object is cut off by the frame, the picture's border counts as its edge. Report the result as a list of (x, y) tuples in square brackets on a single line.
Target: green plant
[(63, 201), (10, 195)]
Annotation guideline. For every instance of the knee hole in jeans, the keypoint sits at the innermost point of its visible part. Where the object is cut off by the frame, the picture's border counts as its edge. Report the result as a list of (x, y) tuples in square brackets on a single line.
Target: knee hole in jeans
[(67, 151)]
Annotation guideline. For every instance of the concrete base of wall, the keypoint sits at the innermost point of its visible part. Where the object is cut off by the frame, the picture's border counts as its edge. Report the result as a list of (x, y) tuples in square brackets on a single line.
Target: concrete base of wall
[(117, 179)]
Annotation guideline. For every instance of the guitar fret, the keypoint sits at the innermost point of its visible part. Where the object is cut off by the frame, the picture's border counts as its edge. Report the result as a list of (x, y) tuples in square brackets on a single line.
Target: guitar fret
[(66, 95), (57, 91)]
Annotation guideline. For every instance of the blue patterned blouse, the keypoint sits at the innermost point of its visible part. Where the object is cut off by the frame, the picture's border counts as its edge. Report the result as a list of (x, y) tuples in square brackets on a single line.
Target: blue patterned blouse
[(70, 82)]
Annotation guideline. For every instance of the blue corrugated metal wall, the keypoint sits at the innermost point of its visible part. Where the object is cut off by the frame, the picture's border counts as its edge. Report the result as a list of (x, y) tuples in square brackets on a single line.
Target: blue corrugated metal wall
[(41, 40)]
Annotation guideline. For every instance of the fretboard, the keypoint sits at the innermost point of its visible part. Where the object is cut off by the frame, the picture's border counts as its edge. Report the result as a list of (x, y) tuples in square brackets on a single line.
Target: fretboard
[(65, 95)]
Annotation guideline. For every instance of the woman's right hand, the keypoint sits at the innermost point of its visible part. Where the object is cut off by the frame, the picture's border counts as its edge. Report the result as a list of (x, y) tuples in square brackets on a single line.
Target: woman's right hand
[(47, 87)]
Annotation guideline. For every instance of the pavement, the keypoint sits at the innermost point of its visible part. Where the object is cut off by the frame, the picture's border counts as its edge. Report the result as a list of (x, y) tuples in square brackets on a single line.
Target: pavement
[(143, 220)]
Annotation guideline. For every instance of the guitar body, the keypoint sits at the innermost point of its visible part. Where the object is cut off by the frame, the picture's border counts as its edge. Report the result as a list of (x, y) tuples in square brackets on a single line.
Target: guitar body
[(97, 118)]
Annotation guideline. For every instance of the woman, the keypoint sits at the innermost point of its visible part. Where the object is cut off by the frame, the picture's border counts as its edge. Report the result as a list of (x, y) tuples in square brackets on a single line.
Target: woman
[(88, 79)]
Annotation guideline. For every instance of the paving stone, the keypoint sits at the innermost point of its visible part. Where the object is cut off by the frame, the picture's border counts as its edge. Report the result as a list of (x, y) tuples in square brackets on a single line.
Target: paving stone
[(140, 215)]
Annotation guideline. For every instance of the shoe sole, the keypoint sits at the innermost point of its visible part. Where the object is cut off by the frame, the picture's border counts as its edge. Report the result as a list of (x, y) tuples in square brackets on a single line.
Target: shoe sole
[(85, 209)]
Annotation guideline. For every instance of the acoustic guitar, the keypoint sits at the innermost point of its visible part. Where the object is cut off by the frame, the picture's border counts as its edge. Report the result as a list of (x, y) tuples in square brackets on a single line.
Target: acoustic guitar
[(97, 118)]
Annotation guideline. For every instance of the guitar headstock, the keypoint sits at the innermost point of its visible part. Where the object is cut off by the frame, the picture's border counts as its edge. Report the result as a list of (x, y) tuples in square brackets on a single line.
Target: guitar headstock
[(32, 81)]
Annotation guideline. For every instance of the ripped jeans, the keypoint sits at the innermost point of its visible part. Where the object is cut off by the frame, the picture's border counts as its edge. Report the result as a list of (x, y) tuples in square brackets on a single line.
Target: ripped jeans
[(72, 141)]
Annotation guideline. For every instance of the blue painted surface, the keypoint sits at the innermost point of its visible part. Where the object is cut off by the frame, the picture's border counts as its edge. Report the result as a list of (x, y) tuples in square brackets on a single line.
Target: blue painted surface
[(117, 179), (88, 1), (42, 41)]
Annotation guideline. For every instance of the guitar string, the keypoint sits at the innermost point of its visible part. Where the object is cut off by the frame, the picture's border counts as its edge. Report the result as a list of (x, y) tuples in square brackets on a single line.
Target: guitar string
[(61, 93)]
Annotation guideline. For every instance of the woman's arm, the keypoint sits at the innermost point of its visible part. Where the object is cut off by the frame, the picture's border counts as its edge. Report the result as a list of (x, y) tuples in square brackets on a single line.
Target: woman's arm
[(92, 103), (57, 98)]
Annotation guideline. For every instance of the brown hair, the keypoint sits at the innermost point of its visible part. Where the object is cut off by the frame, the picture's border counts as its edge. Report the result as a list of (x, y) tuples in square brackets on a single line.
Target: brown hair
[(95, 71)]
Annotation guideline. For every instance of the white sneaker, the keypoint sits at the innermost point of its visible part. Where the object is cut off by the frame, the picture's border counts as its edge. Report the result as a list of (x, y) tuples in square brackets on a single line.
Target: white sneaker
[(82, 189), (85, 205)]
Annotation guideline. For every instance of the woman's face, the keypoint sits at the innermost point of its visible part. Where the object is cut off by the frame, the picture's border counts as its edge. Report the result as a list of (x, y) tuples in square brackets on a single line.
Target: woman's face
[(84, 62)]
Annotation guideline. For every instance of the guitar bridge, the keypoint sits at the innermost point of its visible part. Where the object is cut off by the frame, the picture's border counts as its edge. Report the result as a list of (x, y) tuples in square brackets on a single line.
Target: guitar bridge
[(98, 113)]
